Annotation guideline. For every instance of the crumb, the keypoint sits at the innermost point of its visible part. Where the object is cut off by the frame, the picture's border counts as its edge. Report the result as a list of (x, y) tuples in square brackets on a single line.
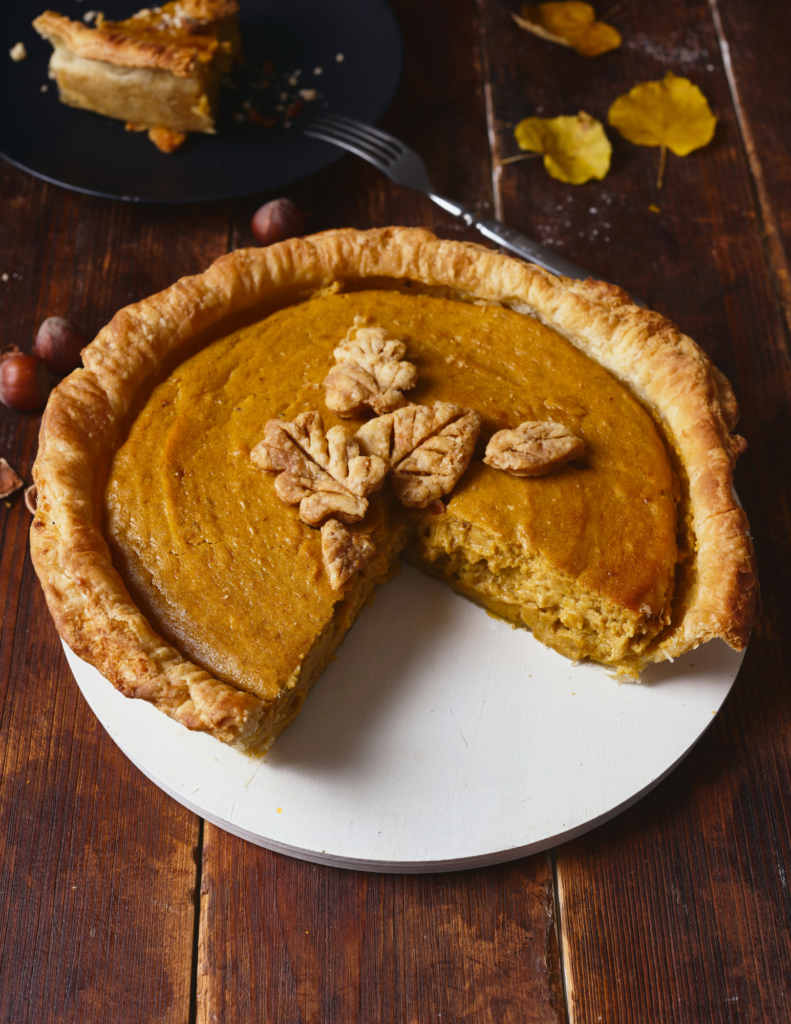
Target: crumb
[(340, 58), (166, 140), (654, 208), (18, 52), (294, 108), (308, 95), (4, 277), (45, 88), (283, 97), (89, 16), (258, 118), (293, 80), (239, 116), (318, 71)]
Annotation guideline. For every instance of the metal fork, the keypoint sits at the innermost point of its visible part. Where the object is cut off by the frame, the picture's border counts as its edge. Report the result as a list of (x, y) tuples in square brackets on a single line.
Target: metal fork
[(403, 166)]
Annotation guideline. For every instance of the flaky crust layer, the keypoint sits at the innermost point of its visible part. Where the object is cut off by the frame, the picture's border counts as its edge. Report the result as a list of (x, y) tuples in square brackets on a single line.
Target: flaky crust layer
[(115, 47), (667, 371)]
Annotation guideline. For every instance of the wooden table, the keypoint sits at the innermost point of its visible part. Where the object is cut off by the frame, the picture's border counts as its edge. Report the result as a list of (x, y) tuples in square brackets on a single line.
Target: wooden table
[(121, 906)]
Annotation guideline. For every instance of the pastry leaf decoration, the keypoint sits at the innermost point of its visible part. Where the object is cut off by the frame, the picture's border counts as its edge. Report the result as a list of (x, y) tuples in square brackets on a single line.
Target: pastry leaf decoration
[(672, 114), (535, 448), (370, 370), (428, 448), (569, 23), (344, 553), (575, 149), (322, 472)]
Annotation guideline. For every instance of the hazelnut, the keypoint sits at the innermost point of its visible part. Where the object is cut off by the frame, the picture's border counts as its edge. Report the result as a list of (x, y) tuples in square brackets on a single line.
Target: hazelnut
[(276, 221), (24, 382), (59, 343)]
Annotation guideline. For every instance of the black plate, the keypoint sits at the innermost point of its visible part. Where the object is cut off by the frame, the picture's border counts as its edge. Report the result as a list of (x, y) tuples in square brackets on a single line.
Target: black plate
[(93, 154)]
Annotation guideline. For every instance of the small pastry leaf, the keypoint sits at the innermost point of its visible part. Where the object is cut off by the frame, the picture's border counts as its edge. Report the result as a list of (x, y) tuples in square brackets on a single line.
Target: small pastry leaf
[(344, 553), (536, 447)]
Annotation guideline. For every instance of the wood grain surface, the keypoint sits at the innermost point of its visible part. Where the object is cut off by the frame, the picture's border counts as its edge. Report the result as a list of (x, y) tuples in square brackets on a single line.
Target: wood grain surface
[(322, 944), (677, 911)]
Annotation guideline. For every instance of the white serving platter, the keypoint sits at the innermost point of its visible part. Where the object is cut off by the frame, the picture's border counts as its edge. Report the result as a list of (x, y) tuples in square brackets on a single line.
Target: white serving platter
[(440, 738)]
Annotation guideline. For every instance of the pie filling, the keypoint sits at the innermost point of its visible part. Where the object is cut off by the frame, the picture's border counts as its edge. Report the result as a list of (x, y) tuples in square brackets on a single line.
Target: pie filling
[(584, 556)]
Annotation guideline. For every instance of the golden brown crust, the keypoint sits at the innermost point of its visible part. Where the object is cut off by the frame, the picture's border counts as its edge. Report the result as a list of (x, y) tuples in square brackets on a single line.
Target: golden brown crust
[(117, 47), (662, 367), (209, 10)]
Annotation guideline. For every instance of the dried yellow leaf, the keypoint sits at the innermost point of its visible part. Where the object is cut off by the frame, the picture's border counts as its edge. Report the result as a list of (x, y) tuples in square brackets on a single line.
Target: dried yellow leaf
[(575, 149), (570, 23), (673, 114)]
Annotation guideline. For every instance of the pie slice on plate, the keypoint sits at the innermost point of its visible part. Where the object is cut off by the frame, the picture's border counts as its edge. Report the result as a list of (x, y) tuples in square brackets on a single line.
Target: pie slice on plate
[(159, 70), (184, 475)]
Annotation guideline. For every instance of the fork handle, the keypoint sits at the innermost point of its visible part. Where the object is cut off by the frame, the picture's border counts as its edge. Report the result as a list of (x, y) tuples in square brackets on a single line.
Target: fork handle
[(525, 247), (514, 240)]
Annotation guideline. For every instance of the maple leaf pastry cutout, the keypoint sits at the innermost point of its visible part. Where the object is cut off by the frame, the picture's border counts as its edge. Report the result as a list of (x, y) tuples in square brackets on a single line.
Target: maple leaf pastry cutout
[(428, 448), (370, 371), (536, 447), (344, 553), (321, 471)]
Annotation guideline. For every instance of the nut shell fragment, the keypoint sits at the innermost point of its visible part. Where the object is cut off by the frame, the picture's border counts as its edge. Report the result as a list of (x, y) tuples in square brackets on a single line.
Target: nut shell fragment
[(322, 472), (10, 480), (31, 499), (370, 371), (536, 447), (344, 552)]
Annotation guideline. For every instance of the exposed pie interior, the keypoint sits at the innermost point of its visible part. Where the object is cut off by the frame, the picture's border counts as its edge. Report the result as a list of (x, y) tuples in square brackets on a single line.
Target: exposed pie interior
[(606, 557)]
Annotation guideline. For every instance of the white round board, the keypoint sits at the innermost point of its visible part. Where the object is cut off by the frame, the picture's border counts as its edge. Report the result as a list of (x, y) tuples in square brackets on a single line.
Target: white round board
[(440, 738)]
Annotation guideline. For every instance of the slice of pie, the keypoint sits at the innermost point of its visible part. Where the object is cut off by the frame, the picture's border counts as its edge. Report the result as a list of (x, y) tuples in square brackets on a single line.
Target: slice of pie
[(178, 562), (159, 70)]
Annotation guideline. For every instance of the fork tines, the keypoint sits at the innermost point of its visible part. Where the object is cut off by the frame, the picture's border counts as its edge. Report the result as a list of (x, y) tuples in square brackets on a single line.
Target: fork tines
[(375, 144)]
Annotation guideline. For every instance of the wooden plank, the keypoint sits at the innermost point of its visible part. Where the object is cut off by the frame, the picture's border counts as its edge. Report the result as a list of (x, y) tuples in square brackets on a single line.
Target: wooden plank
[(98, 879), (288, 941), (757, 71), (679, 910)]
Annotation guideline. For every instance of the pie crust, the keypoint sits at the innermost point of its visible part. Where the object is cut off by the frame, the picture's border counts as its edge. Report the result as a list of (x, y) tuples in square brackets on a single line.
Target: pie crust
[(690, 400)]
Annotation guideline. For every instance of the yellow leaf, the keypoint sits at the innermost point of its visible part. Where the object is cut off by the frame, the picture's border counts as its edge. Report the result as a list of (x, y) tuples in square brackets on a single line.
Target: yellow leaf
[(575, 149), (672, 113), (570, 23)]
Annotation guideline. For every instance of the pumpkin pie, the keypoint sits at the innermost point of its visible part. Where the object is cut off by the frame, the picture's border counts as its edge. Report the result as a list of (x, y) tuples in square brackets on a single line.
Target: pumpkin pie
[(158, 71), (176, 560)]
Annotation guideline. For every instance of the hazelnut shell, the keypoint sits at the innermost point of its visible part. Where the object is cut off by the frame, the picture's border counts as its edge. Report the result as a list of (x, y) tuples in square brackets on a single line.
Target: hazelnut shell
[(59, 343), (24, 382), (277, 221)]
